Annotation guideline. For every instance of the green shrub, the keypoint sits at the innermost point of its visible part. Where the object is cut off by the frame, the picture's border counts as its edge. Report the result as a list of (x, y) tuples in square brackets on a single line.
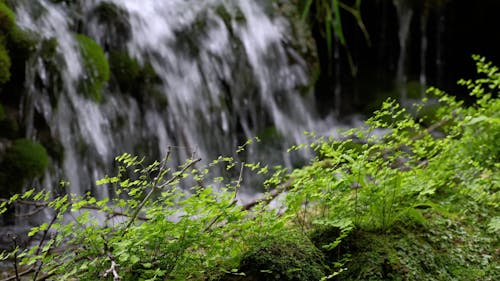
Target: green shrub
[(96, 67), (166, 232)]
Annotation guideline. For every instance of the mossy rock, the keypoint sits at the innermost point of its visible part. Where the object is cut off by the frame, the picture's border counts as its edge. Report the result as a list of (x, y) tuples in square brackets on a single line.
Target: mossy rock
[(114, 21), (22, 42), (323, 236), (289, 257), (7, 18), (9, 128), (5, 64), (53, 82), (130, 77), (28, 157), (23, 160), (437, 252), (270, 134), (125, 70), (96, 68)]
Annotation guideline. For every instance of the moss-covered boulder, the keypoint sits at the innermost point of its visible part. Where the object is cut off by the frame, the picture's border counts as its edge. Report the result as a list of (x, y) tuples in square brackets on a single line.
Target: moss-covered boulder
[(290, 257), (96, 67), (25, 159)]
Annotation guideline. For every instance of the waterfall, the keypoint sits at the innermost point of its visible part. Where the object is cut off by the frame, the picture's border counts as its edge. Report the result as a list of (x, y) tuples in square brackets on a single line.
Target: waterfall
[(223, 72), (423, 52), (405, 14)]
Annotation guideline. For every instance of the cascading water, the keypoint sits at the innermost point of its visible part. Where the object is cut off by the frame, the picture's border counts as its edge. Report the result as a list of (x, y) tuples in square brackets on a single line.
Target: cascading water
[(405, 14), (223, 73), (423, 50)]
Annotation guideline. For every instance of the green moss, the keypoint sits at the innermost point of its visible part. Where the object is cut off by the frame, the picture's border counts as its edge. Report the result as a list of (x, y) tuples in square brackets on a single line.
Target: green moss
[(7, 18), (270, 134), (135, 79), (437, 252), (289, 257), (125, 70), (24, 160), (22, 41), (96, 67), (27, 157), (5, 65), (223, 13)]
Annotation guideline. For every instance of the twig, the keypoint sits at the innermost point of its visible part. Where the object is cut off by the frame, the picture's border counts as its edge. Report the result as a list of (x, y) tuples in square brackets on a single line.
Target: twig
[(44, 236), (233, 202), (157, 186), (219, 216), (22, 273), (431, 128), (42, 204), (32, 213), (114, 213), (240, 179), (112, 270), (270, 196), (15, 257), (26, 202)]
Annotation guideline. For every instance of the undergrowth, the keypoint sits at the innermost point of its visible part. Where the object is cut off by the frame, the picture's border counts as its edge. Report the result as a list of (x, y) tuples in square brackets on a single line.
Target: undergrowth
[(395, 200)]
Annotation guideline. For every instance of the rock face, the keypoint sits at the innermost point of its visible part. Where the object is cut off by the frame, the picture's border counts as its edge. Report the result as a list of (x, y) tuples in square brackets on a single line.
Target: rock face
[(88, 80)]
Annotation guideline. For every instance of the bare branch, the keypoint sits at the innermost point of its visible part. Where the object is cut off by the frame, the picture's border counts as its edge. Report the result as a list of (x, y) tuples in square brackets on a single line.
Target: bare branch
[(42, 204), (270, 196), (113, 271)]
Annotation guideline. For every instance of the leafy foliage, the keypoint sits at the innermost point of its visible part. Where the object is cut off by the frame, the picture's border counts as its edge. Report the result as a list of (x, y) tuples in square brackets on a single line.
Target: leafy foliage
[(402, 186), (391, 201), (152, 230)]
